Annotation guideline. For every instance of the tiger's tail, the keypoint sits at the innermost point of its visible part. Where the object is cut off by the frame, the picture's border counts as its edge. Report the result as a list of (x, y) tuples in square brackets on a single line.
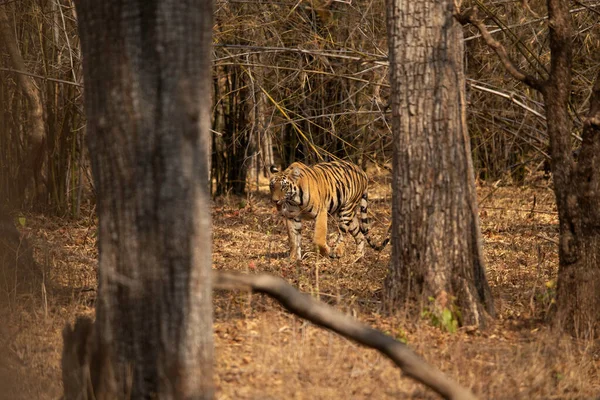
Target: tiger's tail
[(365, 225)]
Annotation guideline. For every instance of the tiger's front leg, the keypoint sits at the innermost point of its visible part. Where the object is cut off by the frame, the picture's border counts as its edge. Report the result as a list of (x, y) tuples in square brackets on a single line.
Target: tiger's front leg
[(320, 238), (294, 227)]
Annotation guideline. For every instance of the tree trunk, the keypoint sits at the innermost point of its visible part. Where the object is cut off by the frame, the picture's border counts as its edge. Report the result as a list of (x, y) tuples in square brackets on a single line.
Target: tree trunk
[(266, 149), (576, 186), (33, 164), (556, 92), (261, 144), (436, 238), (147, 99)]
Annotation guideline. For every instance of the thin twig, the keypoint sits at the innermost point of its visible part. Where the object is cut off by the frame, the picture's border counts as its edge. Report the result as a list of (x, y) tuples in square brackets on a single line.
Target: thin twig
[(585, 7), (374, 58), (62, 16), (551, 240), (519, 210), (509, 96), (40, 76)]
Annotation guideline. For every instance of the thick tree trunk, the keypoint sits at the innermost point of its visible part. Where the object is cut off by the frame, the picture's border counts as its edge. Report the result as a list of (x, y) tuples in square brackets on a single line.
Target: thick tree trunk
[(577, 189), (436, 239), (146, 72), (576, 186), (33, 165)]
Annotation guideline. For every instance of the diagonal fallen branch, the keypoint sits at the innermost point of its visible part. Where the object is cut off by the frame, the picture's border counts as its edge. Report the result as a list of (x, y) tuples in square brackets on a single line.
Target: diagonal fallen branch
[(326, 316)]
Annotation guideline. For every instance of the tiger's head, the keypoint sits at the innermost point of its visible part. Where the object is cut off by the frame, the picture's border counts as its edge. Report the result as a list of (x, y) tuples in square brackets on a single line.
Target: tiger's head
[(283, 186)]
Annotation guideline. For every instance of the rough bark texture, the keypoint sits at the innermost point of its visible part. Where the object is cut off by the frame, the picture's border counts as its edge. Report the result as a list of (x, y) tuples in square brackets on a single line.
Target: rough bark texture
[(33, 164), (436, 237), (576, 186), (147, 98)]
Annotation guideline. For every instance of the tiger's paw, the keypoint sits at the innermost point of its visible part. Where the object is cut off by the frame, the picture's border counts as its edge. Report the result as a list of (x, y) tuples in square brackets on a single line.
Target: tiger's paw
[(338, 252), (323, 250)]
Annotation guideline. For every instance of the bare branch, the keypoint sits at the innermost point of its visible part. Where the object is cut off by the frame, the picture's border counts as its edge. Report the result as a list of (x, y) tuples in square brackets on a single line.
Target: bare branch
[(326, 316), (586, 7), (46, 78), (471, 16), (508, 96), (376, 59)]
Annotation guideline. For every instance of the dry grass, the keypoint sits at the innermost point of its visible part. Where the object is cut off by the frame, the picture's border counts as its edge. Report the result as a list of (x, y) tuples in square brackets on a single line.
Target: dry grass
[(264, 352)]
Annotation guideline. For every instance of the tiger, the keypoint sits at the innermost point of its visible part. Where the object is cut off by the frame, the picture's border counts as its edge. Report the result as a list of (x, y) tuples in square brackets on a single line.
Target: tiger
[(303, 192)]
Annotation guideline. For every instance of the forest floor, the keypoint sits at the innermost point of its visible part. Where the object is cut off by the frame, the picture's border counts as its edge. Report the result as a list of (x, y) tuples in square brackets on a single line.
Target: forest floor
[(263, 352)]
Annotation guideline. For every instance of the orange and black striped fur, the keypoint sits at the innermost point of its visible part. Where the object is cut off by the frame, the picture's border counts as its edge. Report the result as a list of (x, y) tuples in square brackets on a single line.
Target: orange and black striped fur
[(304, 192)]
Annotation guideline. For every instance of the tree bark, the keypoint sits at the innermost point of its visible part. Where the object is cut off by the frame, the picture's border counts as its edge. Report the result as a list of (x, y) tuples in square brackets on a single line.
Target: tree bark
[(436, 249), (576, 187), (147, 98), (576, 184), (33, 165)]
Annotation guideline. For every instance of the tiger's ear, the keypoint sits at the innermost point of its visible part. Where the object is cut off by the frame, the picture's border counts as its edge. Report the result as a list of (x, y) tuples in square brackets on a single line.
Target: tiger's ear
[(296, 172), (273, 169)]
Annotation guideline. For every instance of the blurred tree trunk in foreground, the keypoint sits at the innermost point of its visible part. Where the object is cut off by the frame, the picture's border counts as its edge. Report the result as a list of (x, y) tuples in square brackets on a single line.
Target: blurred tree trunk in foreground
[(436, 250), (147, 98)]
